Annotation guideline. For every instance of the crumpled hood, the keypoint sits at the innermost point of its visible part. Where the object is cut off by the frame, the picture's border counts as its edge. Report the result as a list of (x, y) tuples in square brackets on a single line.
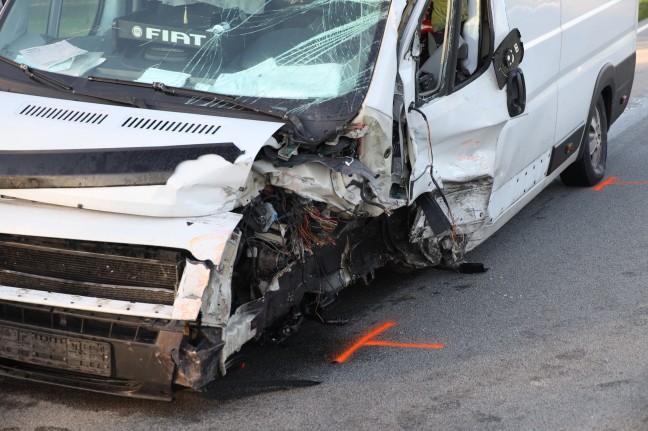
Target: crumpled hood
[(125, 160)]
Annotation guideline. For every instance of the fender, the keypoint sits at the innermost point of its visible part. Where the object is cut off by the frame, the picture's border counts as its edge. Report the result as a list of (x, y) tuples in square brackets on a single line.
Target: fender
[(619, 80), (606, 86), (624, 78)]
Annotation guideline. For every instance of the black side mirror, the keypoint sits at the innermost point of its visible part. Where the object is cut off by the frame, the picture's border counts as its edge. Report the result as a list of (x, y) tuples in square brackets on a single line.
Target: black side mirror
[(508, 56)]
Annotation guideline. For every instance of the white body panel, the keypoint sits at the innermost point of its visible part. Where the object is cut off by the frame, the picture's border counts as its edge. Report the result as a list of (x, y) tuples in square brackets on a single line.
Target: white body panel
[(200, 187), (528, 136), (567, 43), (204, 237), (593, 33)]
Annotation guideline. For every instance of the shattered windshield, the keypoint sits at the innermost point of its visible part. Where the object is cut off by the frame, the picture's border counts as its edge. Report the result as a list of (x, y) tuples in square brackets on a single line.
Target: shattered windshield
[(277, 49)]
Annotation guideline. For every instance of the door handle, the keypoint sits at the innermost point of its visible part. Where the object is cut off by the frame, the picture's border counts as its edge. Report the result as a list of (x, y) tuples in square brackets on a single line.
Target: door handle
[(516, 92)]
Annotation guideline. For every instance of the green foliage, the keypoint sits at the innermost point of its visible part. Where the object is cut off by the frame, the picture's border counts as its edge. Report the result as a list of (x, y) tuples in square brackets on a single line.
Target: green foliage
[(643, 9)]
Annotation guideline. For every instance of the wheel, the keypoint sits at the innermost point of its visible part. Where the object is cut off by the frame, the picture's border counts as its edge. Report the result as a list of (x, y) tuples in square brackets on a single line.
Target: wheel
[(589, 168)]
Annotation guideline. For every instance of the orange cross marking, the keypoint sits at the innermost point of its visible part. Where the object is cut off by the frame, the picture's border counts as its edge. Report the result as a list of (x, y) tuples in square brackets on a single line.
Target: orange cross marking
[(368, 340), (612, 182)]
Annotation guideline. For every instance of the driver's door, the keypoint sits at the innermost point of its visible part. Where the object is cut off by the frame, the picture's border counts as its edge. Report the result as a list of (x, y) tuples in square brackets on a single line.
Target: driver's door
[(480, 148)]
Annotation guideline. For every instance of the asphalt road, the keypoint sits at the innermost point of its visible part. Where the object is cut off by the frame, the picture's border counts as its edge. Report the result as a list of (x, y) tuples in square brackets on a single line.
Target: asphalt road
[(554, 336)]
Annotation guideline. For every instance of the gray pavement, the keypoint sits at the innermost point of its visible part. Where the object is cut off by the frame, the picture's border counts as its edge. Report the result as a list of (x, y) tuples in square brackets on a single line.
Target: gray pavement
[(554, 336)]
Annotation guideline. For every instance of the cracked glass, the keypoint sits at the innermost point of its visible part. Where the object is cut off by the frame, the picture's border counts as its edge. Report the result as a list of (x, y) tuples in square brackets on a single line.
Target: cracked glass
[(294, 50)]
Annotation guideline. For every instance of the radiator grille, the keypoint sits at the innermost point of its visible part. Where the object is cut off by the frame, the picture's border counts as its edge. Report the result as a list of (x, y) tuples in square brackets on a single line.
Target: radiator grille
[(128, 273)]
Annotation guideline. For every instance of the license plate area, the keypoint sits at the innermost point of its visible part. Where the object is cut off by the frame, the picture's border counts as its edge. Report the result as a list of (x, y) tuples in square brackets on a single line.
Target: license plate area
[(57, 351)]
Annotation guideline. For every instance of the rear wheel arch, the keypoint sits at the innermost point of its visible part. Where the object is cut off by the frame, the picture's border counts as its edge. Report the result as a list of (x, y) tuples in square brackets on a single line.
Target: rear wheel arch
[(605, 87)]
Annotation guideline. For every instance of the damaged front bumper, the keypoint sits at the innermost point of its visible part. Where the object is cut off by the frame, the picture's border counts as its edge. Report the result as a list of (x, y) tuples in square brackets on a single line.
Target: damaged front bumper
[(100, 353), (128, 313), (132, 357)]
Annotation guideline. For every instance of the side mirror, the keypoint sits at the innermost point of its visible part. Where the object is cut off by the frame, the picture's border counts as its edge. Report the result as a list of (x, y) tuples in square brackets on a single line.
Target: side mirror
[(508, 56)]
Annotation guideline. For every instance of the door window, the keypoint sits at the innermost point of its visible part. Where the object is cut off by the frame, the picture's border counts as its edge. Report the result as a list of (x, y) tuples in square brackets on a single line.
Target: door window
[(451, 56)]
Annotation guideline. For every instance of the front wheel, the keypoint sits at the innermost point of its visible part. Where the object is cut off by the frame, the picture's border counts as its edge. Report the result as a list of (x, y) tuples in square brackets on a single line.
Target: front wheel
[(589, 169)]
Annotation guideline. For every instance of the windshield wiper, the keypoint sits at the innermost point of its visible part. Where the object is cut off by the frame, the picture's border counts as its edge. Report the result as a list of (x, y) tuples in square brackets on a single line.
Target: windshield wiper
[(284, 116), (60, 85), (38, 76)]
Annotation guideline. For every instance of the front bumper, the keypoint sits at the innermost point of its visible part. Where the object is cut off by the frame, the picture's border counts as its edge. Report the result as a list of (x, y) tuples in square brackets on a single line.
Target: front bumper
[(133, 357), (129, 288)]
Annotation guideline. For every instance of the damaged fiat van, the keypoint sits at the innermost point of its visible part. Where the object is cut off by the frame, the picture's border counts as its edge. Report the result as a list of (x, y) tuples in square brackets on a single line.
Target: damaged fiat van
[(178, 177)]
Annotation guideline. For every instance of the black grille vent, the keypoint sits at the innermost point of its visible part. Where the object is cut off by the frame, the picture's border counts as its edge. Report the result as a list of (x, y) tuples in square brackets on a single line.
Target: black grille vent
[(110, 271), (70, 115), (170, 126), (77, 324)]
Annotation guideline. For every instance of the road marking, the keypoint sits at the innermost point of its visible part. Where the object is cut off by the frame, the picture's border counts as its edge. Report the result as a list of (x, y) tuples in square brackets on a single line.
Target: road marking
[(604, 184), (612, 182), (368, 340)]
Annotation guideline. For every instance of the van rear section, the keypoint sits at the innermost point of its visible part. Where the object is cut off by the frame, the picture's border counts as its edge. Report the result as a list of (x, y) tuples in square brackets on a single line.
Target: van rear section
[(179, 178)]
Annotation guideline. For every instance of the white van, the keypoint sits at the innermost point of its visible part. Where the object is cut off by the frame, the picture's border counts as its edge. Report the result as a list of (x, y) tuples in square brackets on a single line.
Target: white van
[(179, 177)]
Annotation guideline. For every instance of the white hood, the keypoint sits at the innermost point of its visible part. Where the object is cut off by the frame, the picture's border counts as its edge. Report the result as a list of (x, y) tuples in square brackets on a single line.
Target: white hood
[(207, 185)]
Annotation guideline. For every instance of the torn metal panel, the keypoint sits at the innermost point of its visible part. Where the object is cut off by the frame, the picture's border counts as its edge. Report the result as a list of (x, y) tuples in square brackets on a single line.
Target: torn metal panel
[(377, 153), (349, 166), (506, 201), (198, 362), (442, 238), (239, 330), (469, 203), (189, 297), (216, 301), (312, 181), (340, 181)]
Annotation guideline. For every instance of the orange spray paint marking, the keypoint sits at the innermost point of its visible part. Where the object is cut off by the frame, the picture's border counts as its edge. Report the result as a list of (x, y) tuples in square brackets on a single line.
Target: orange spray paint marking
[(611, 182), (346, 355), (604, 184), (368, 340), (404, 345)]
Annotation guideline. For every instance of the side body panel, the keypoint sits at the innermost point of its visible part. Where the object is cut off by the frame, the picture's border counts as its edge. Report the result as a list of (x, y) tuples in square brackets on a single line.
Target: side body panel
[(595, 33), (528, 136), (597, 42), (477, 148)]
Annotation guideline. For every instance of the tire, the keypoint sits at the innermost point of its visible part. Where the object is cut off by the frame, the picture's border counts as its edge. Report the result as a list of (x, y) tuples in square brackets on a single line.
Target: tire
[(589, 168)]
